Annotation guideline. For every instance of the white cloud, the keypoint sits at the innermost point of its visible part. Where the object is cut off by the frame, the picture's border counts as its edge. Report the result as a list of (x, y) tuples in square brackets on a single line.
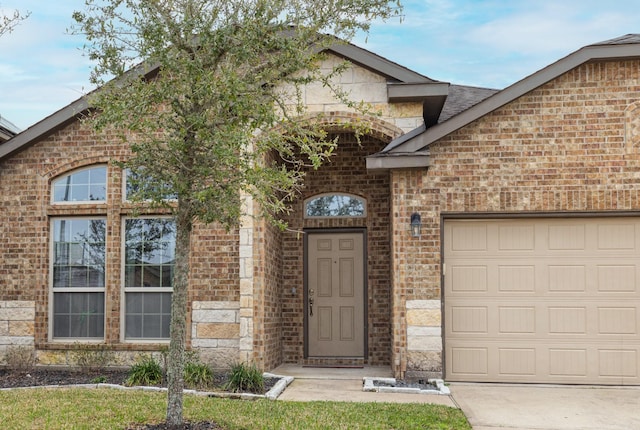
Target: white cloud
[(491, 43)]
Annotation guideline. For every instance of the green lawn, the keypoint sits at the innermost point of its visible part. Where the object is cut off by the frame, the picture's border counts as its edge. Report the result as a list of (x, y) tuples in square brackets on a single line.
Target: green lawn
[(115, 409)]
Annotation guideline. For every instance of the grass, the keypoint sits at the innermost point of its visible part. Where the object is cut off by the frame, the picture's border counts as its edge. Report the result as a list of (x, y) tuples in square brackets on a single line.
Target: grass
[(114, 409)]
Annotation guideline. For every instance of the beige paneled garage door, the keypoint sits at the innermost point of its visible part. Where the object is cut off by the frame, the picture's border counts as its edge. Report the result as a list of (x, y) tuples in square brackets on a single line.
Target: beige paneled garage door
[(542, 300)]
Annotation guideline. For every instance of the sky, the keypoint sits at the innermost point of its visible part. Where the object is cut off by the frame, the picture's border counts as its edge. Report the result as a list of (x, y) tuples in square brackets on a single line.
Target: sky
[(484, 43)]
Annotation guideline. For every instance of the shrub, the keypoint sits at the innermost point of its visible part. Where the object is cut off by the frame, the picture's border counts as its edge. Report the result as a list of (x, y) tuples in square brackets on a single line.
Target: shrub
[(92, 357), (197, 375), (147, 371), (20, 358), (245, 378)]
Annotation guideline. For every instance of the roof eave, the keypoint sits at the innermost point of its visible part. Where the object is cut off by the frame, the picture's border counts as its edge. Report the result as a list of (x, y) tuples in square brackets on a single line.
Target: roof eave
[(584, 55), (431, 95), (43, 128), (414, 160), (377, 63)]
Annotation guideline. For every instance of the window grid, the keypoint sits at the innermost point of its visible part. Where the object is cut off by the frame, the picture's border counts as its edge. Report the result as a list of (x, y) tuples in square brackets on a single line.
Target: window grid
[(148, 262), (78, 253), (85, 185), (78, 277)]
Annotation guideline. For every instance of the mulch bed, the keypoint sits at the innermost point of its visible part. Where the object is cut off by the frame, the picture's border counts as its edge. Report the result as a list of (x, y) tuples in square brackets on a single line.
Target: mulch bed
[(40, 377), (43, 377)]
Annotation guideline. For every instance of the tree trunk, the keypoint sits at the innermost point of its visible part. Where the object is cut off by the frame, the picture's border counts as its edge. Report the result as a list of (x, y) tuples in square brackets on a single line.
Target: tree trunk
[(175, 365)]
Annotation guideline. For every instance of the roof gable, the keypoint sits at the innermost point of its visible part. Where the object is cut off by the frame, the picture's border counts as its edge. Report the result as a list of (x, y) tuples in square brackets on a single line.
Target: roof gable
[(624, 47), (403, 85)]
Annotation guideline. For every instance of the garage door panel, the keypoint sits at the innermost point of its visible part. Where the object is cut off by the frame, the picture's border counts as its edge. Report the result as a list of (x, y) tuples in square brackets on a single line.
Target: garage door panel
[(562, 237), (517, 361), (617, 320), (469, 319), (516, 278), (469, 360), (565, 320), (537, 362), (542, 300), (617, 277), (570, 320), (516, 319), (516, 237), (465, 278), (469, 237), (618, 363), (619, 236), (570, 362)]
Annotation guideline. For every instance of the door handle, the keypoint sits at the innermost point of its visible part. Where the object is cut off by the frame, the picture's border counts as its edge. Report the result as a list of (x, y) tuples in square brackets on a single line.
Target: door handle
[(311, 303)]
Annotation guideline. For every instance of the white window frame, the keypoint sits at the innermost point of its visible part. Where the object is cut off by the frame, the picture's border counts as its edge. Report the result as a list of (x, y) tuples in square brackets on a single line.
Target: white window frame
[(79, 202), (102, 290), (124, 290)]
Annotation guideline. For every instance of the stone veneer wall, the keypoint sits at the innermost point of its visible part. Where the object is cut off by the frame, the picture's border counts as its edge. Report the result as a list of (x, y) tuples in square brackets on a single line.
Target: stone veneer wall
[(17, 319), (568, 146), (247, 283), (363, 85), (424, 337), (215, 332)]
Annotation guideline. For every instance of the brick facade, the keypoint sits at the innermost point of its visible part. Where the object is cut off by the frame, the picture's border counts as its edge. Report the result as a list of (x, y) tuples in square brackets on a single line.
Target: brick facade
[(345, 173), (241, 305), (568, 146), (25, 249), (571, 146)]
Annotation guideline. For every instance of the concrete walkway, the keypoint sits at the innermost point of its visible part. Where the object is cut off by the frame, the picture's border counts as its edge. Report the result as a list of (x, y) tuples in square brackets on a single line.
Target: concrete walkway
[(487, 406), (345, 385), (540, 407)]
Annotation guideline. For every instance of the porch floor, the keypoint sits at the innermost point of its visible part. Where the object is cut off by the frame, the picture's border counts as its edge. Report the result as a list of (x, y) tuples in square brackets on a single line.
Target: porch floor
[(337, 373), (345, 385)]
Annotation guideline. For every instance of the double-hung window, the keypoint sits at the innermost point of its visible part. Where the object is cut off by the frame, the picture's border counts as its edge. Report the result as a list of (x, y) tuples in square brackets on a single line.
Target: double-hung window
[(149, 258), (82, 221), (78, 258)]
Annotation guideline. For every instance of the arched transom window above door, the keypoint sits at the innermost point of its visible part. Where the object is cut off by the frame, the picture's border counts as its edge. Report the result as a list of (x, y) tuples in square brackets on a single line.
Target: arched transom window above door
[(335, 205)]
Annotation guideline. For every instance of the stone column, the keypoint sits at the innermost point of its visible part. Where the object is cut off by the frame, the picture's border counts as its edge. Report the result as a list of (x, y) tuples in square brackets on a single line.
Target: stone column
[(246, 282)]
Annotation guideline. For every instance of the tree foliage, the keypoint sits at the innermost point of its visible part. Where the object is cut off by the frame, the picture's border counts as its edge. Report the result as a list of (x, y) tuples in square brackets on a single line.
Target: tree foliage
[(209, 96)]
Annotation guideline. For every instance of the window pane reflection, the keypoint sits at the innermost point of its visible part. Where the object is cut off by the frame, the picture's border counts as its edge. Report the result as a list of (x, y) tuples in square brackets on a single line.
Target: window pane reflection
[(335, 205), (85, 185)]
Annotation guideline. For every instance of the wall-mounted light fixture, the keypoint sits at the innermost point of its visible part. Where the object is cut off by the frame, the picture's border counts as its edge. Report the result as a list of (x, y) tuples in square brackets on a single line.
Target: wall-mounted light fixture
[(416, 224)]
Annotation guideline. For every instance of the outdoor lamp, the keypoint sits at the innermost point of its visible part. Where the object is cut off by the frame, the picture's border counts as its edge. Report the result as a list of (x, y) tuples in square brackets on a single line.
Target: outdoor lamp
[(416, 224)]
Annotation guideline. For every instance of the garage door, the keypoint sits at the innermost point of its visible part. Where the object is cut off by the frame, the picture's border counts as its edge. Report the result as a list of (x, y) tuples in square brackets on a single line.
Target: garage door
[(542, 300)]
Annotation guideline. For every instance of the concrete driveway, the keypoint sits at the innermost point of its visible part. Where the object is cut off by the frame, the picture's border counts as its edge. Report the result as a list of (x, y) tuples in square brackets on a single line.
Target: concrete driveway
[(524, 407)]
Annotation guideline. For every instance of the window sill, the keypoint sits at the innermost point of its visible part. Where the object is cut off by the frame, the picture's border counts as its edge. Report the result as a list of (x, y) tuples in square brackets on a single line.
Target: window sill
[(66, 345)]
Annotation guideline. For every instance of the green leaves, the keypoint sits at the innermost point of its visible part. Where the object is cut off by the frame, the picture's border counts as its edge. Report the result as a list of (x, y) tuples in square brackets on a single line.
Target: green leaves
[(209, 96)]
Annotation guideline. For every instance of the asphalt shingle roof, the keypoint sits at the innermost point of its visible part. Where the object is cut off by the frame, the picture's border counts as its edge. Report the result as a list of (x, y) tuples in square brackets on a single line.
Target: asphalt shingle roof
[(622, 40), (461, 98)]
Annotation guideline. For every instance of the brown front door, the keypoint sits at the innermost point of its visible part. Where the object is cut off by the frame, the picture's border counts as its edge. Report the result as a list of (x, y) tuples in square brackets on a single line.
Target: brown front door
[(335, 295)]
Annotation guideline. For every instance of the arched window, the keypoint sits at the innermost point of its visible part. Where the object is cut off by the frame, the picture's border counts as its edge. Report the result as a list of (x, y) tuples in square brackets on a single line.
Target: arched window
[(335, 205), (84, 185), (81, 247)]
